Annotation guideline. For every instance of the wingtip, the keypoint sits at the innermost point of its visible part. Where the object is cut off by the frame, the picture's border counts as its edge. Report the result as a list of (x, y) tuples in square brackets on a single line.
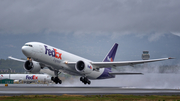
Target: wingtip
[(9, 56), (171, 58)]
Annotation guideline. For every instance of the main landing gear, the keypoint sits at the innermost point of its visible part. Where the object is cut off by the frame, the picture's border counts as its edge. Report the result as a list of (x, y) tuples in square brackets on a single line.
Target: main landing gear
[(85, 80), (56, 79)]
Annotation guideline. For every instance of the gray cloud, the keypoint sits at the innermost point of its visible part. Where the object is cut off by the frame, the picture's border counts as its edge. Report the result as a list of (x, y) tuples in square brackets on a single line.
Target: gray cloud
[(102, 17)]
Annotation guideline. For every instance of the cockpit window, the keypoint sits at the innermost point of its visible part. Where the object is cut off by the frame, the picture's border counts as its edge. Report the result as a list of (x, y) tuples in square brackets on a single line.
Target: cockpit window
[(28, 45)]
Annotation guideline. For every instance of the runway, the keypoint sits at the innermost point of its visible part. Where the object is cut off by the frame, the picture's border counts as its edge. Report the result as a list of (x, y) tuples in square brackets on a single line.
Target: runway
[(14, 90)]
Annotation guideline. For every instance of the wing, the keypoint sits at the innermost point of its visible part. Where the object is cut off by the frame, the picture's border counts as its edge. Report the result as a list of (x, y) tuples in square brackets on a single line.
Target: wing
[(124, 63), (20, 60), (48, 71), (10, 57)]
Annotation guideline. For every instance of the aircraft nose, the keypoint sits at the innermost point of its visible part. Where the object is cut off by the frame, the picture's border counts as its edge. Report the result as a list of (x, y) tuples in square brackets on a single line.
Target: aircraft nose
[(26, 51)]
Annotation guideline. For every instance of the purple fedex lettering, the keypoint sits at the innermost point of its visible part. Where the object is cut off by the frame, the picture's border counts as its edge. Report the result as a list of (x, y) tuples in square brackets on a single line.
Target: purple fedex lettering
[(31, 77), (49, 51), (28, 77), (53, 52)]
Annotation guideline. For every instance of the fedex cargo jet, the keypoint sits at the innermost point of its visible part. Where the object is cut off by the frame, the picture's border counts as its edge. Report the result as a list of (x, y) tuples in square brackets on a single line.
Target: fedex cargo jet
[(26, 77), (40, 55)]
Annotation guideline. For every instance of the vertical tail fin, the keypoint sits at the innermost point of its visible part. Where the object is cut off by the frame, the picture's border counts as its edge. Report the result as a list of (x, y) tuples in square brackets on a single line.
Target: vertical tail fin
[(109, 58), (111, 55)]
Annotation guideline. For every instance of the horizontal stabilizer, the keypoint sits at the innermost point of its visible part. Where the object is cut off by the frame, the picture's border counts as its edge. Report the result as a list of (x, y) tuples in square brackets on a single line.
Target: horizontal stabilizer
[(117, 73)]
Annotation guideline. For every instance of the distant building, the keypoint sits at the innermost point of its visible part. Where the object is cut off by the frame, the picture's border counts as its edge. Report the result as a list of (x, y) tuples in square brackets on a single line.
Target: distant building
[(145, 55)]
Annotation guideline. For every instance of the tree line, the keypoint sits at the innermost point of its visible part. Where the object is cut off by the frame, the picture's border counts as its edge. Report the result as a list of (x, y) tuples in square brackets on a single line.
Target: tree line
[(11, 66)]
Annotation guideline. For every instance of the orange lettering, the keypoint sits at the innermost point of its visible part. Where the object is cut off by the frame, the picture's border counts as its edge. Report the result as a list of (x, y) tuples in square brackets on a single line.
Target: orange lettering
[(57, 54)]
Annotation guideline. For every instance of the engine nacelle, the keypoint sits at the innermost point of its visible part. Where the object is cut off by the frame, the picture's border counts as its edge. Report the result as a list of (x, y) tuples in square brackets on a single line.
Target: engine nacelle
[(84, 67), (33, 67)]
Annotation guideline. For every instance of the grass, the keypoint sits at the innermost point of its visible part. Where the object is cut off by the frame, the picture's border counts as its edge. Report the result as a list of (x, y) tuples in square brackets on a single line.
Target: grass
[(65, 97)]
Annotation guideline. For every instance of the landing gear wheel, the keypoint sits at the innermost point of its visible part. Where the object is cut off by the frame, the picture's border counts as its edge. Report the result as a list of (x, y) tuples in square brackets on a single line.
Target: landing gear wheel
[(82, 79), (60, 81), (52, 78), (89, 82), (85, 80), (56, 80)]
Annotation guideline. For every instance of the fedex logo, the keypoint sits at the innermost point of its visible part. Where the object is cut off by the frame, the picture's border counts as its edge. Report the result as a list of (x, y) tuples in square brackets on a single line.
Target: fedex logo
[(53, 52), (110, 59), (34, 77), (89, 67)]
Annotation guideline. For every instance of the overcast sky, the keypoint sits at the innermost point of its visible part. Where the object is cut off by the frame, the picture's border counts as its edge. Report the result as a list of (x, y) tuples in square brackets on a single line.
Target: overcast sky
[(98, 17), (86, 26)]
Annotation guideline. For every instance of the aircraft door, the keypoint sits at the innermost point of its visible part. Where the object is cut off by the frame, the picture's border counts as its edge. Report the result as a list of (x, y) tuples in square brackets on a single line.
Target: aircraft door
[(41, 48)]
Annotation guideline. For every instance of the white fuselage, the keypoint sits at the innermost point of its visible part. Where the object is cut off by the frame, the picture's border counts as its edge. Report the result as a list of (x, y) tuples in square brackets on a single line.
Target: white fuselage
[(26, 77), (56, 58)]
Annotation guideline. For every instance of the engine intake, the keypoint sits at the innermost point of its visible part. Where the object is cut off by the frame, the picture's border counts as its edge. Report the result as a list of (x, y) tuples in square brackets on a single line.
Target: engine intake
[(33, 67), (84, 67)]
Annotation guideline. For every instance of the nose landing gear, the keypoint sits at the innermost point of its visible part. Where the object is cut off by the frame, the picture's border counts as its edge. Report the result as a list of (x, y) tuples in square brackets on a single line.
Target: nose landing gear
[(85, 80)]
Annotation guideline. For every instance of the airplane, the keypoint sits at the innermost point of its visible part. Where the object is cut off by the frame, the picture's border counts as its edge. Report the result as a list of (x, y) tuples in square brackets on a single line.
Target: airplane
[(40, 55), (26, 77)]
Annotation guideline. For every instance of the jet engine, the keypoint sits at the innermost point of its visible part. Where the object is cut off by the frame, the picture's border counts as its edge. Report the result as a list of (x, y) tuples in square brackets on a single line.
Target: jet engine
[(33, 67), (84, 67)]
